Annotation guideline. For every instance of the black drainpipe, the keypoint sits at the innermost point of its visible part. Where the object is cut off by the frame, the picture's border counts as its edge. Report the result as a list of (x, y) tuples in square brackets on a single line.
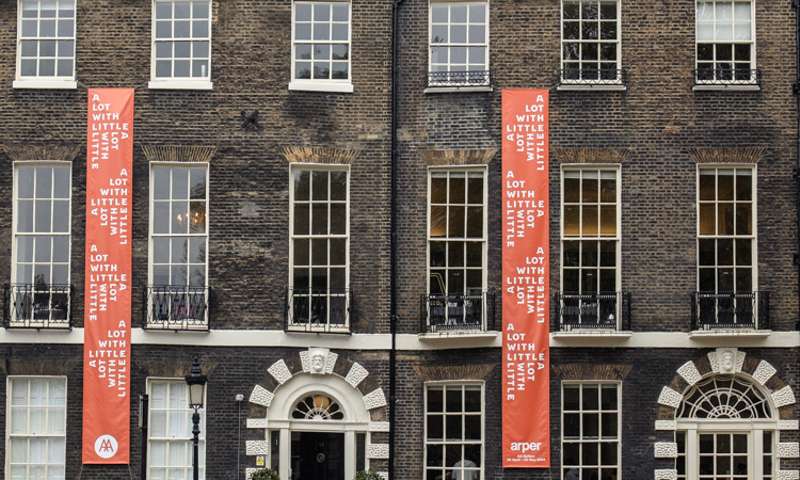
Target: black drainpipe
[(393, 237), (796, 89)]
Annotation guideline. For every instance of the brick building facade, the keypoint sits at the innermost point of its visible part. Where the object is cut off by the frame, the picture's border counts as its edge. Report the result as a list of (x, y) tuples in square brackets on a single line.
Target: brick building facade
[(272, 95)]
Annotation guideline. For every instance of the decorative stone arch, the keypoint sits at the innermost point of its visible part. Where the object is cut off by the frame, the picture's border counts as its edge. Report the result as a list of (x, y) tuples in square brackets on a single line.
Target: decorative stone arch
[(731, 362), (319, 371)]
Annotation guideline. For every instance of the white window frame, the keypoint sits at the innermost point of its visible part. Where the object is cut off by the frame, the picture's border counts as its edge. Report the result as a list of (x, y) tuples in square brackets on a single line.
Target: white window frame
[(618, 42), (752, 42), (328, 327), (14, 213), (484, 171), (448, 45), (54, 82), (203, 424), (180, 83), (9, 415), (753, 237), (598, 168), (599, 439), (153, 166), (444, 384), (323, 85)]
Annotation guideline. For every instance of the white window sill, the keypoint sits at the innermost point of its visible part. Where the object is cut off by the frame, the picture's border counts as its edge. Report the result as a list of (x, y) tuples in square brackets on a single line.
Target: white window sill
[(727, 87), (305, 328), (728, 333), (593, 333), (321, 86), (43, 84), (458, 334), (458, 89), (180, 84), (592, 87)]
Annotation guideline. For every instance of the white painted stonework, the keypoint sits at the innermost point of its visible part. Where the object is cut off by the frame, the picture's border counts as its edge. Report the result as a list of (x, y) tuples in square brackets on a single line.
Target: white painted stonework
[(280, 372), (375, 399), (783, 397), (257, 423), (256, 447), (669, 397), (666, 449), (688, 371), (788, 450), (666, 474), (788, 475), (665, 426), (726, 361), (788, 425), (378, 451), (248, 472), (261, 396), (764, 371), (378, 426), (318, 361), (356, 375)]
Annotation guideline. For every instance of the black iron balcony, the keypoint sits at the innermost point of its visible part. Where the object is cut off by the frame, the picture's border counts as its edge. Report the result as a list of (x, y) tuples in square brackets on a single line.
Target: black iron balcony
[(727, 75), (326, 311), (730, 311), (472, 78), (590, 75), (176, 307), (37, 306), (441, 313), (600, 311)]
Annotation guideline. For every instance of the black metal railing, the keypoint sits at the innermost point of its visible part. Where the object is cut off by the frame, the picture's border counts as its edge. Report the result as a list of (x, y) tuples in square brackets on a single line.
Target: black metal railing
[(176, 307), (712, 311), (471, 78), (727, 76), (588, 75), (37, 306), (318, 311), (599, 311), (458, 312)]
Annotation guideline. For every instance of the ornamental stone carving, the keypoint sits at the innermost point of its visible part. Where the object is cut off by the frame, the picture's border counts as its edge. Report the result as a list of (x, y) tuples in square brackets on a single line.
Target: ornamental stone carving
[(261, 396), (318, 361), (280, 372), (669, 397), (764, 371), (356, 375), (788, 450), (665, 449), (688, 371), (783, 397), (726, 361), (256, 447), (378, 451), (375, 399), (788, 475), (666, 474)]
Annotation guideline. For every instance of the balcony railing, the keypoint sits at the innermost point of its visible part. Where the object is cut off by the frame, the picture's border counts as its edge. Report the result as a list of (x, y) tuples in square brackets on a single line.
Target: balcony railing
[(318, 311), (176, 307), (472, 78), (730, 311), (727, 76), (458, 312), (601, 311), (37, 306), (592, 76)]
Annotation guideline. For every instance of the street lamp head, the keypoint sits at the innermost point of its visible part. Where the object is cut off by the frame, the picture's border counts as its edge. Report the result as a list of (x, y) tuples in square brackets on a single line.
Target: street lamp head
[(197, 385)]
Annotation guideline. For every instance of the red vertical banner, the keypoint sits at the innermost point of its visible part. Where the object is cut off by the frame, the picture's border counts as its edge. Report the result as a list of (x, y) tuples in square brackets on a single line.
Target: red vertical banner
[(107, 304), (526, 279)]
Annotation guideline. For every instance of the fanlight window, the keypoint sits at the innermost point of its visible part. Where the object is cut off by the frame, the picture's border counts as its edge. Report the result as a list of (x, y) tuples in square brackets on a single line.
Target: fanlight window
[(317, 407), (724, 397)]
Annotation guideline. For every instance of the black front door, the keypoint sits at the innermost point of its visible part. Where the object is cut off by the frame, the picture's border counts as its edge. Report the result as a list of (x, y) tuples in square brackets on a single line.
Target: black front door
[(317, 456)]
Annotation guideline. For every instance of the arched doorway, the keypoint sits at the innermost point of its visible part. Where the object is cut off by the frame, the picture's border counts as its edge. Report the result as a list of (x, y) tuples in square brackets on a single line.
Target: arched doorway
[(318, 427), (726, 429)]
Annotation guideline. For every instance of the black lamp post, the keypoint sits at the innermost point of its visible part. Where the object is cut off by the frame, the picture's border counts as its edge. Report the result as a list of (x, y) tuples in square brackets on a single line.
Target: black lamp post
[(197, 392)]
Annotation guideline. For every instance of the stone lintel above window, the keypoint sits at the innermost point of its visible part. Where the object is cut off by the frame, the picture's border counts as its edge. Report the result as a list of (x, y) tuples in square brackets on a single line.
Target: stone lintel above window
[(595, 372), (725, 155), (567, 155), (455, 157), (56, 151), (179, 153), (318, 154)]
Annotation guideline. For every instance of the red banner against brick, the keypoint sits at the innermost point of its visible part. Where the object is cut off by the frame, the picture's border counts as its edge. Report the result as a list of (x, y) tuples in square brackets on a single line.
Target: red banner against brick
[(526, 279), (107, 304)]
